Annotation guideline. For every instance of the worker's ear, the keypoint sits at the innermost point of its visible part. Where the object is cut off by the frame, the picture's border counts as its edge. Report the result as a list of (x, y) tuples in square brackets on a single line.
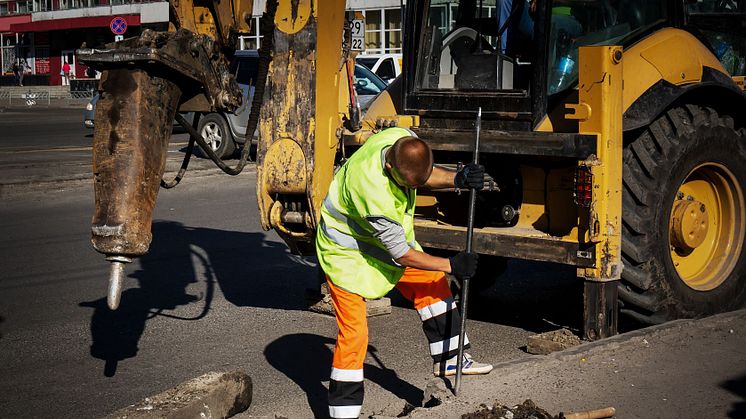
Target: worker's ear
[(388, 166)]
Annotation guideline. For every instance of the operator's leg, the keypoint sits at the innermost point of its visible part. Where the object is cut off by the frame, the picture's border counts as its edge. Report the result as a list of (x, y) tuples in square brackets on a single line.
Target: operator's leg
[(346, 383), (432, 298), (441, 320)]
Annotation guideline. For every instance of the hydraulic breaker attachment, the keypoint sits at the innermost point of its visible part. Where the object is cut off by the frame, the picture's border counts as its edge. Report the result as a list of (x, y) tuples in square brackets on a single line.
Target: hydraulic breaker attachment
[(145, 81), (133, 126)]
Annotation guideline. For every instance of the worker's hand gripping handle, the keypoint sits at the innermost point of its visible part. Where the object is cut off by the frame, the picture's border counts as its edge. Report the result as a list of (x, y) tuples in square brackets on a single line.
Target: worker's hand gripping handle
[(469, 239)]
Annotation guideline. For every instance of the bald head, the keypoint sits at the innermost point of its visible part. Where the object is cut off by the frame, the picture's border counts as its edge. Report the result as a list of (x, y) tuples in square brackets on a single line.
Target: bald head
[(412, 158)]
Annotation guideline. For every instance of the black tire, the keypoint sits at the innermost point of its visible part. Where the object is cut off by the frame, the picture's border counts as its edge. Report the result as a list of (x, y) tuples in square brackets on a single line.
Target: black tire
[(216, 132), (656, 163)]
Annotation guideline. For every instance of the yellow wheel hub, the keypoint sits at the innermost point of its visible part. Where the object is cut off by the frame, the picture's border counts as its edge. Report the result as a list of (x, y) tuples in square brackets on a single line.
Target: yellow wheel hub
[(689, 224), (706, 229)]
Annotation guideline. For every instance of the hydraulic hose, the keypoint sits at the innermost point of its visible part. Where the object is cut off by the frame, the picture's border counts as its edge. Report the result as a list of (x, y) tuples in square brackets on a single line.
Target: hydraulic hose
[(265, 57)]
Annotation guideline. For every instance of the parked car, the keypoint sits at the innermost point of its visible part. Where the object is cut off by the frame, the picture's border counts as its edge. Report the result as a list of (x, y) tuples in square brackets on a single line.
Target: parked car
[(223, 131), (367, 85), (385, 66)]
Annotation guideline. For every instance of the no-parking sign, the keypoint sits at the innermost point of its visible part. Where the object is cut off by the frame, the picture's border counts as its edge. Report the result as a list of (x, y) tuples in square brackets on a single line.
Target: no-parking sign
[(118, 25)]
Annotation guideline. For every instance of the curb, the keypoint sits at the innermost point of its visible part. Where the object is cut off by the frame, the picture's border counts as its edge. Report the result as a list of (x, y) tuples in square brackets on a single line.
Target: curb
[(446, 402)]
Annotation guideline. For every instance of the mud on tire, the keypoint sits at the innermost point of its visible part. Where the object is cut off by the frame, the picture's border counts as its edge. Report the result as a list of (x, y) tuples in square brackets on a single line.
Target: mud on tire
[(656, 163)]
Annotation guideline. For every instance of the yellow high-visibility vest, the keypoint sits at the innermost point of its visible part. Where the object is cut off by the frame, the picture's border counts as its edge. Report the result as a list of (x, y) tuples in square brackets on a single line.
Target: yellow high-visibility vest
[(349, 254)]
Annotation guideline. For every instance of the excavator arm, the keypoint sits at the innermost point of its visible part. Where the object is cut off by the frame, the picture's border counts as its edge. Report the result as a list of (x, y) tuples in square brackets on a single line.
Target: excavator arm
[(305, 105)]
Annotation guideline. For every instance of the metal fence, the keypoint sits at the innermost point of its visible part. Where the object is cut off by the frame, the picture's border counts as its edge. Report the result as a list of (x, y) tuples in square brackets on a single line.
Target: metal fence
[(39, 97)]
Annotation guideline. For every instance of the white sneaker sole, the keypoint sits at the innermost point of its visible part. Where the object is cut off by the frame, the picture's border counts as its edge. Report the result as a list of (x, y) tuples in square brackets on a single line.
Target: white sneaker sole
[(482, 371)]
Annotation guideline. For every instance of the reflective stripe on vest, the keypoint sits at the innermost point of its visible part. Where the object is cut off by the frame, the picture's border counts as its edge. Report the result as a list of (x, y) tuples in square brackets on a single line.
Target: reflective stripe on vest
[(349, 242), (356, 227)]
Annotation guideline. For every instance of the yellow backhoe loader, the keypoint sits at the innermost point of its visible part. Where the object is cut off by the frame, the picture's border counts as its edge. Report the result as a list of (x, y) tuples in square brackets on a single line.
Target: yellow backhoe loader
[(613, 131)]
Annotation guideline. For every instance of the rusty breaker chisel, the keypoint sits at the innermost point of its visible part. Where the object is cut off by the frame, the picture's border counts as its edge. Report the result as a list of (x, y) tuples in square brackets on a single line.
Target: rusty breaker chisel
[(465, 280)]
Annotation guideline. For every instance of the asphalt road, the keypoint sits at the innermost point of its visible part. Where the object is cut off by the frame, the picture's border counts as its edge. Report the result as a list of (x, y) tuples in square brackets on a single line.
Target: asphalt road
[(218, 293), (214, 293), (50, 146), (26, 128)]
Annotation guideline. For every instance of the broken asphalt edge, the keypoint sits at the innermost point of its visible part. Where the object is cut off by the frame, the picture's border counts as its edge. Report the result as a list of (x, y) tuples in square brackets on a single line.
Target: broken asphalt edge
[(211, 395), (452, 406)]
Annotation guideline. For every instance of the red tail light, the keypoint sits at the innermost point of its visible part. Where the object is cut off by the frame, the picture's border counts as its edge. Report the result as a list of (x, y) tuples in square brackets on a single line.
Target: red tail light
[(583, 194)]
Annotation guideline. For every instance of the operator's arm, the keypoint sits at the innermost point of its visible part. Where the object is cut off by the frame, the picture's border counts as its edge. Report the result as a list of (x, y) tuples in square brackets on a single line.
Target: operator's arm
[(440, 178), (421, 260), (391, 234), (469, 176)]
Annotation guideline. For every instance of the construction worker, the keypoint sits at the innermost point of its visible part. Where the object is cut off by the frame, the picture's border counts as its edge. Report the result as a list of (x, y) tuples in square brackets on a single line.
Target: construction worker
[(366, 247)]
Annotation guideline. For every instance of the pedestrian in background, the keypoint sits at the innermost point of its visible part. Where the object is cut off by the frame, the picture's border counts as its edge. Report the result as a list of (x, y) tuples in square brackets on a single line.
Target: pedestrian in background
[(22, 70), (17, 73), (65, 74)]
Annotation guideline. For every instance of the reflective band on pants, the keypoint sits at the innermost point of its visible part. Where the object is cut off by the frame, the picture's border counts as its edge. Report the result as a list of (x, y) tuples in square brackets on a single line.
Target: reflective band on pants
[(344, 411)]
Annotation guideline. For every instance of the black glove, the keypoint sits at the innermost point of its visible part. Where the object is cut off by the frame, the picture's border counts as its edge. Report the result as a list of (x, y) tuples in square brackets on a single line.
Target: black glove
[(470, 176), (464, 264)]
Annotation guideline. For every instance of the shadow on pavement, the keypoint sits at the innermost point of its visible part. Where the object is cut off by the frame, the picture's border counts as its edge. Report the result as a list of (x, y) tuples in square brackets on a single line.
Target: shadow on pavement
[(737, 386), (249, 270), (307, 360)]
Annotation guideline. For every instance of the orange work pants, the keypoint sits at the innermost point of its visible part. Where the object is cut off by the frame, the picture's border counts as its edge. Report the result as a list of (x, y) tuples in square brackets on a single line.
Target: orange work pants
[(441, 323)]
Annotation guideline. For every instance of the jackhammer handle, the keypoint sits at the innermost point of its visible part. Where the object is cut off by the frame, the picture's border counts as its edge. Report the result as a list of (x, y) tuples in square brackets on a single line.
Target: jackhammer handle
[(592, 414), (465, 280)]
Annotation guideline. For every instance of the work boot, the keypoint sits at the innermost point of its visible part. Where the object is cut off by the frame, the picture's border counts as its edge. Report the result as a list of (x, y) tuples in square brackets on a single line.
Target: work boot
[(470, 367)]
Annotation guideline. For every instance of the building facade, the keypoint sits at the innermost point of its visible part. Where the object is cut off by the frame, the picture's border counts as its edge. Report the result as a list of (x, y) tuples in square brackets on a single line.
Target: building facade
[(42, 35), (383, 23)]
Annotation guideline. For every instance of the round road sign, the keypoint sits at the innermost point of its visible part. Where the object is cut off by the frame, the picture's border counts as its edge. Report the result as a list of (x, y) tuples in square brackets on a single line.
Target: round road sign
[(118, 25)]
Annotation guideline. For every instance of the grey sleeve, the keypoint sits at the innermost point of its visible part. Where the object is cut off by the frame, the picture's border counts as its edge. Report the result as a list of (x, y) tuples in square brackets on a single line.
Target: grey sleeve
[(390, 233)]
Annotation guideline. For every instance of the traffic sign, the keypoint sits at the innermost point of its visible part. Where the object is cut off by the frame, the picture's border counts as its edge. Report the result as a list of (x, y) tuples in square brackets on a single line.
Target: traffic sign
[(118, 25)]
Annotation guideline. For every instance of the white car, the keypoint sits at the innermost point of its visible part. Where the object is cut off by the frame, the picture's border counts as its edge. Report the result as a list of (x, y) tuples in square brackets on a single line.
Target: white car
[(385, 66)]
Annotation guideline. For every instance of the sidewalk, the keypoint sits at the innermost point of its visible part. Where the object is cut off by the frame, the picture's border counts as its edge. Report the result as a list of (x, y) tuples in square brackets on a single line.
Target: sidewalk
[(682, 369)]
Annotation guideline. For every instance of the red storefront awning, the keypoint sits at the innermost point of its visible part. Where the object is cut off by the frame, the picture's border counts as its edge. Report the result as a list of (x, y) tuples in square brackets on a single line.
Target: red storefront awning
[(6, 21), (72, 23)]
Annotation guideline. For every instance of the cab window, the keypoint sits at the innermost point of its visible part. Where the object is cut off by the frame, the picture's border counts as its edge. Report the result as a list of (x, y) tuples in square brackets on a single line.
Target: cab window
[(245, 69), (367, 83), (386, 70), (577, 23), (723, 25)]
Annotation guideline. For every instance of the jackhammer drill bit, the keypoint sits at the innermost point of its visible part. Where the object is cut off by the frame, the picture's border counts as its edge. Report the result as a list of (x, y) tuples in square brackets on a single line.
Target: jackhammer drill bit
[(116, 280), (465, 280)]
